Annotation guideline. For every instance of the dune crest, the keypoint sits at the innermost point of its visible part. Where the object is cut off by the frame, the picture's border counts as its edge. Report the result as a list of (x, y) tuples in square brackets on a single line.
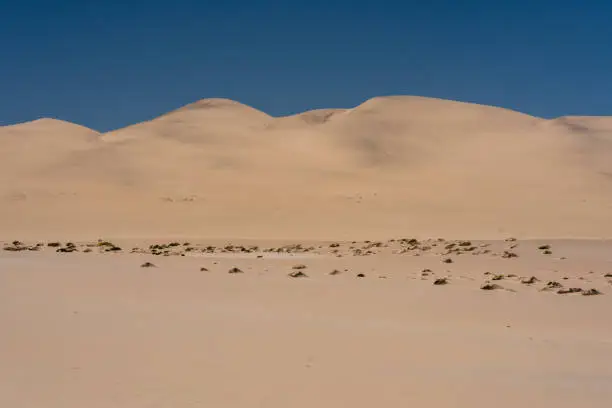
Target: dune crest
[(204, 121), (216, 103), (45, 126)]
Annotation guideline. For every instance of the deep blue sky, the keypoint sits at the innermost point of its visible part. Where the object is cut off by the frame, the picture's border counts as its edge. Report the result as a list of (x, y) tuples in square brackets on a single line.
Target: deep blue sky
[(107, 64)]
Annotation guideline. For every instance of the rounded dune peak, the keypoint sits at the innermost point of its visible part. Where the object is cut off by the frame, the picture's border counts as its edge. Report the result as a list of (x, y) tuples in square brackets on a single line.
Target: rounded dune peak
[(38, 121), (46, 125), (217, 109), (406, 130), (216, 103), (436, 106), (213, 120)]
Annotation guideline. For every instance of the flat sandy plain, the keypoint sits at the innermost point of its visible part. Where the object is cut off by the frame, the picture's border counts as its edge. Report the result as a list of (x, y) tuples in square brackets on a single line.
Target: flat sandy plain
[(98, 329)]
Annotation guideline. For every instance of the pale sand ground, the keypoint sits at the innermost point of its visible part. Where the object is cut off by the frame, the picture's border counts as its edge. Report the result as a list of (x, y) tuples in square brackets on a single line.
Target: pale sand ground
[(97, 330)]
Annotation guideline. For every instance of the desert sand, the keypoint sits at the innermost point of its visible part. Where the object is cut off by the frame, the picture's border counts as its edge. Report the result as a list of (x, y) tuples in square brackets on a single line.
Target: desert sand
[(405, 252)]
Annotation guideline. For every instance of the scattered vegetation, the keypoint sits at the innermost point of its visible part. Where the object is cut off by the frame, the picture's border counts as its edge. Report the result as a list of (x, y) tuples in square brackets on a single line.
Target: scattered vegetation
[(446, 250)]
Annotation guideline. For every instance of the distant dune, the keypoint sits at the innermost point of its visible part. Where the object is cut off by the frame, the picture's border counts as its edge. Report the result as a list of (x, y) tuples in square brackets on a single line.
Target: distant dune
[(392, 166)]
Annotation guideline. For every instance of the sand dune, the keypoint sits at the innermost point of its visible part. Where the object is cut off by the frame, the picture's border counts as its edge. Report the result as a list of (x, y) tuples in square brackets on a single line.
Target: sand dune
[(390, 166)]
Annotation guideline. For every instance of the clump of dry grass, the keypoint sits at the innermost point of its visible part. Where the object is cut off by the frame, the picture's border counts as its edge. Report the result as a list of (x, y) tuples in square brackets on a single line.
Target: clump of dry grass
[(569, 290), (298, 274), (148, 265), (591, 292), (509, 254), (529, 281), (490, 286)]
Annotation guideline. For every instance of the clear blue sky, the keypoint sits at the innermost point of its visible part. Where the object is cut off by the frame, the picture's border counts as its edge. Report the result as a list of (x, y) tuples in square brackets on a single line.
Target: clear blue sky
[(107, 64)]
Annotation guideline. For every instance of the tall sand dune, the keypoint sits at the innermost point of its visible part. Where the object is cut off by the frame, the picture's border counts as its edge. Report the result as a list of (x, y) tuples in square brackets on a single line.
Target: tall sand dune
[(392, 166)]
